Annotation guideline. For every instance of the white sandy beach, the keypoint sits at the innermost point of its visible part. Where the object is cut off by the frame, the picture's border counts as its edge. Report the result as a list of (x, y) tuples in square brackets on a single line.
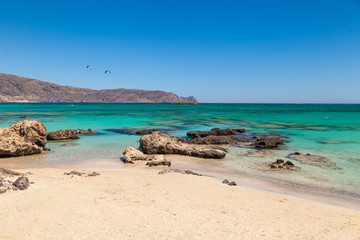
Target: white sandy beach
[(137, 203)]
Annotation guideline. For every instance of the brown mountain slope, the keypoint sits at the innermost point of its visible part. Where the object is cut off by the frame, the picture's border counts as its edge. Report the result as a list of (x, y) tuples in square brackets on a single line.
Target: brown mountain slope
[(19, 89)]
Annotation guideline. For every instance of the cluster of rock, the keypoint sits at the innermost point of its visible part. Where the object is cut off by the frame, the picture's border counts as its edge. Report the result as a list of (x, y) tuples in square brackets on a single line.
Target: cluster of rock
[(281, 164), (21, 183), (22, 138), (227, 182), (131, 154), (67, 134)]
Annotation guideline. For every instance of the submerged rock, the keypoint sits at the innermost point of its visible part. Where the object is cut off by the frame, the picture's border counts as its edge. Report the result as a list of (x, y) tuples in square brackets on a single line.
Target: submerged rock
[(215, 140), (131, 154), (281, 164), (259, 153), (159, 160), (215, 132), (132, 131), (314, 160), (270, 143), (161, 143), (22, 138), (22, 183)]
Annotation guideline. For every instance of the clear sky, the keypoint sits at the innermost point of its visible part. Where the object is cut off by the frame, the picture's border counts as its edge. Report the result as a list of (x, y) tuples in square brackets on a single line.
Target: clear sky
[(218, 51)]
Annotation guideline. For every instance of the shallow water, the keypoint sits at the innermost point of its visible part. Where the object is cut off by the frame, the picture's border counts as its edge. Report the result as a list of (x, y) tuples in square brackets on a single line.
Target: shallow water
[(331, 130)]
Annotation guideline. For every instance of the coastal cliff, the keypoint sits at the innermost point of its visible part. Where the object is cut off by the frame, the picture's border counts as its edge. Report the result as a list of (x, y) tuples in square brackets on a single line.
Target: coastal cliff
[(20, 89)]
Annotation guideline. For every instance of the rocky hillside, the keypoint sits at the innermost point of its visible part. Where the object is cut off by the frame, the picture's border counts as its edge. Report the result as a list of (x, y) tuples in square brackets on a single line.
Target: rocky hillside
[(19, 89)]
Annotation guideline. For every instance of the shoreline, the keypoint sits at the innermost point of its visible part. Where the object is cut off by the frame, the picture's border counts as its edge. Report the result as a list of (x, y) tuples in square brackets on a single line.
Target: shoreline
[(137, 203), (211, 168)]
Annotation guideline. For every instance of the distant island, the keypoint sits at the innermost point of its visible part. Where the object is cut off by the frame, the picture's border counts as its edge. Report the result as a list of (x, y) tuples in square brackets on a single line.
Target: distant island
[(20, 89)]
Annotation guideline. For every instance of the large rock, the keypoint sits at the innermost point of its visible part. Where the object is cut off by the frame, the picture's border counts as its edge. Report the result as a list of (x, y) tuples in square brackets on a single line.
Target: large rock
[(314, 160), (131, 154), (22, 138), (67, 134), (162, 143), (215, 132)]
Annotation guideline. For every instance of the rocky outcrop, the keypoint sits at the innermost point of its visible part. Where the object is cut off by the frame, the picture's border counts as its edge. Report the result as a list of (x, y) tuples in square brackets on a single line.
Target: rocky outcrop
[(215, 132), (270, 143), (22, 138), (162, 143), (159, 160), (67, 134), (20, 89), (314, 160), (131, 154), (281, 164)]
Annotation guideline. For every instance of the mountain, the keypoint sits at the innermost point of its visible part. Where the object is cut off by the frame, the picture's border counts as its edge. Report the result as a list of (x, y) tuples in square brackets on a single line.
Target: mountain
[(19, 89)]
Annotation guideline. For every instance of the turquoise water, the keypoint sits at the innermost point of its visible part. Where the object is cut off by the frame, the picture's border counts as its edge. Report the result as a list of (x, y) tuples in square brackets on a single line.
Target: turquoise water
[(331, 130)]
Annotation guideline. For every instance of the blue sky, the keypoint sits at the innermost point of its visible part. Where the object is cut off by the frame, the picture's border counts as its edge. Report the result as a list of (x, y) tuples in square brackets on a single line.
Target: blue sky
[(218, 51)]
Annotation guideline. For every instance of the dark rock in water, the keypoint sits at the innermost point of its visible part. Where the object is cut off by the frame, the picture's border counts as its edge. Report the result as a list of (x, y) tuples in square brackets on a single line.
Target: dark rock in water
[(270, 143), (132, 131), (68, 134), (281, 164), (74, 173), (188, 172), (22, 183), (215, 140), (261, 135), (69, 144), (144, 132), (84, 131), (259, 153), (159, 161), (65, 134), (215, 132), (93, 174), (22, 116), (161, 143), (314, 160), (22, 138), (227, 182), (131, 154)]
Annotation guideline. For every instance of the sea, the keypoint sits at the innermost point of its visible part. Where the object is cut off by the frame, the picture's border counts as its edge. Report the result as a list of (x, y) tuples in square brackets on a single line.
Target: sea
[(330, 130)]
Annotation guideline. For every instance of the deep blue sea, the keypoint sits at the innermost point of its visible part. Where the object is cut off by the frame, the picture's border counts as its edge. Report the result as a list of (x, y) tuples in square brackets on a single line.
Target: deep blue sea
[(331, 130)]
